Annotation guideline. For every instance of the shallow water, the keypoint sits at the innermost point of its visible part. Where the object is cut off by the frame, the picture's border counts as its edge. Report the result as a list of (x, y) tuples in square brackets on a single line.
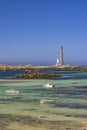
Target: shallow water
[(70, 79), (35, 89), (69, 95)]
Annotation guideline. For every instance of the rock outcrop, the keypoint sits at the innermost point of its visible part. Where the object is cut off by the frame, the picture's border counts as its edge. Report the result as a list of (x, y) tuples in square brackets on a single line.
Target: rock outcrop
[(35, 74)]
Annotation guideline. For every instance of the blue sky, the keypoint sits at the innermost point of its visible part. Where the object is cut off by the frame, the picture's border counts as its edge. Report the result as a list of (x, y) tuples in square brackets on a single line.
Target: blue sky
[(31, 31)]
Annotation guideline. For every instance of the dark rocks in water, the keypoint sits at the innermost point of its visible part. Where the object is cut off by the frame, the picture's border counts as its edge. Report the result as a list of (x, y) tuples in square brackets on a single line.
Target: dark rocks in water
[(74, 83), (68, 128), (35, 74)]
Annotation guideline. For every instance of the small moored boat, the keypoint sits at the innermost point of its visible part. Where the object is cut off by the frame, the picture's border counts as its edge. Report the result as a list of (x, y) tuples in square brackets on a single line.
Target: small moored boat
[(73, 82), (47, 85), (46, 101), (12, 91)]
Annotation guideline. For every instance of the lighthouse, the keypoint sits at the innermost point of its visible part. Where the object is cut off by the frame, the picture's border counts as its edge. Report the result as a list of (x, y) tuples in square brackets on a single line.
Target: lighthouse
[(61, 55)]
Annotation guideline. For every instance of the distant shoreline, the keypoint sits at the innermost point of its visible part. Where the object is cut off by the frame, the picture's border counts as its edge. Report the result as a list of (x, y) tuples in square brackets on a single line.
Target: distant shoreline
[(58, 67)]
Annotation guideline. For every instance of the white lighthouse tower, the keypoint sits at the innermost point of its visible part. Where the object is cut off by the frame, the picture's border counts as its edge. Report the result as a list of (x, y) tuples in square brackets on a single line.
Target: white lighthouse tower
[(57, 61)]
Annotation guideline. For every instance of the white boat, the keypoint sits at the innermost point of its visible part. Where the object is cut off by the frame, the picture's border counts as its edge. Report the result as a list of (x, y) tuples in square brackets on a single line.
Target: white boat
[(47, 85), (12, 91), (46, 101)]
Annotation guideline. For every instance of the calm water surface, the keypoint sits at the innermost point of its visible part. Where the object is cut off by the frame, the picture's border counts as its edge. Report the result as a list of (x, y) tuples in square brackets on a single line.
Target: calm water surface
[(68, 77)]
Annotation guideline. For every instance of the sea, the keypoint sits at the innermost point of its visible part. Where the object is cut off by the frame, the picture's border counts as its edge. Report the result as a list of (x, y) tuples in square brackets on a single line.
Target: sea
[(68, 78), (70, 92)]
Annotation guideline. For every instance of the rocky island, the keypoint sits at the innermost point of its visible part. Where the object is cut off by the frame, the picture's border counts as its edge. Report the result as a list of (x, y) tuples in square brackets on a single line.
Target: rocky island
[(35, 74)]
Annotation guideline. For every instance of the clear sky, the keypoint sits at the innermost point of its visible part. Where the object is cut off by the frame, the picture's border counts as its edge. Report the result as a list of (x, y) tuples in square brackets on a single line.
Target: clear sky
[(31, 31)]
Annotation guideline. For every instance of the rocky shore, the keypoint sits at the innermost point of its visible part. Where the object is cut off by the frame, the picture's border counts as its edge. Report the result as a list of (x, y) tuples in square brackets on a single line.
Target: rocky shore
[(59, 68), (35, 74)]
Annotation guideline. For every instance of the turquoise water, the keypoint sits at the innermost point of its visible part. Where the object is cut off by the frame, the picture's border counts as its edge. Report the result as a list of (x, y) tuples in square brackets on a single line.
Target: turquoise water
[(70, 91), (68, 77), (33, 88)]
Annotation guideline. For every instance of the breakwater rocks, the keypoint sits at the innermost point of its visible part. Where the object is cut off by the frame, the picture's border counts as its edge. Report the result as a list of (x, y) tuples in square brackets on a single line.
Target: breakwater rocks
[(54, 67), (35, 74)]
